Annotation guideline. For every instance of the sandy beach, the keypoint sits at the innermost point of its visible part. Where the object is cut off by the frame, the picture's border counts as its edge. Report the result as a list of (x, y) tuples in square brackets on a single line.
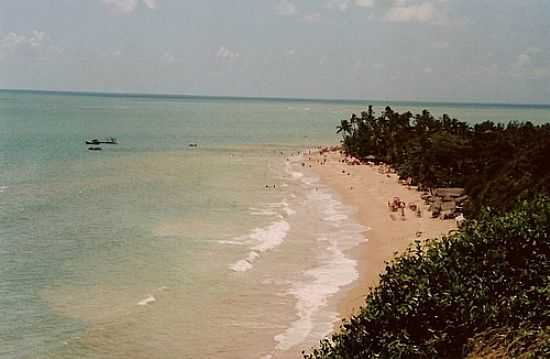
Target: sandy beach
[(368, 188)]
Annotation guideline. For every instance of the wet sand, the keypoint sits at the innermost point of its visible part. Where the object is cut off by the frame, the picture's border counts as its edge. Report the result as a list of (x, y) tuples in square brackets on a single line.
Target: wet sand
[(368, 189)]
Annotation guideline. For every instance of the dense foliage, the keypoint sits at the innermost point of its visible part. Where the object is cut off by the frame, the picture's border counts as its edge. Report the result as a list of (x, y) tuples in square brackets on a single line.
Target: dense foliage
[(526, 342), (496, 164), (493, 273)]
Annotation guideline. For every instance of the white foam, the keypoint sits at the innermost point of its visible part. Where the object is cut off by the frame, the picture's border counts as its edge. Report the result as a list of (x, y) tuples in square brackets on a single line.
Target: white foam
[(337, 218), (149, 300), (271, 236), (272, 209), (310, 181), (241, 266), (235, 243), (280, 204), (271, 281), (267, 238), (312, 295), (252, 256), (289, 211), (245, 264), (261, 212), (333, 211), (335, 270)]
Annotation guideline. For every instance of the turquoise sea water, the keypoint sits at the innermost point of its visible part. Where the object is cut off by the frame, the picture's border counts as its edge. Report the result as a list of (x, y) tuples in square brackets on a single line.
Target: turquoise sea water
[(153, 249)]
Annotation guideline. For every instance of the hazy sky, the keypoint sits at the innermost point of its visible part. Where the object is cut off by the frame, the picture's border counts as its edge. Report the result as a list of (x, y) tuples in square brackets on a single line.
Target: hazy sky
[(459, 50)]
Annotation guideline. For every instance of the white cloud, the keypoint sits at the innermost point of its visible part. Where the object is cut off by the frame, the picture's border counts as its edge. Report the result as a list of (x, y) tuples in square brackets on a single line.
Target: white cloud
[(33, 44), (311, 18), (403, 12), (524, 60), (434, 12), (360, 65), (286, 8), (345, 5), (531, 57), (168, 58), (151, 4), (129, 6), (341, 5), (440, 45), (534, 63), (225, 53), (364, 3), (122, 6)]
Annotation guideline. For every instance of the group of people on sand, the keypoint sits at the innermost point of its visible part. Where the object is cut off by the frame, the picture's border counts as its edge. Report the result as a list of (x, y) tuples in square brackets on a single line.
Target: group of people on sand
[(322, 161), (397, 204)]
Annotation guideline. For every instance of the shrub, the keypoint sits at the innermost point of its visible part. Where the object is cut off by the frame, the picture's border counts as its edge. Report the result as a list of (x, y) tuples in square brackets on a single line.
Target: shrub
[(526, 342)]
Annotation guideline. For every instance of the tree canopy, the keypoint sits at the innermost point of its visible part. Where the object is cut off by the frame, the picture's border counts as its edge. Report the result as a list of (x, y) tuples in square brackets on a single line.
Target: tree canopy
[(497, 164)]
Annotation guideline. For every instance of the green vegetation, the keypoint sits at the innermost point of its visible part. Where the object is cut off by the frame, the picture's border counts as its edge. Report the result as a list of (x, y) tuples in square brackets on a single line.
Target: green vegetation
[(496, 164), (483, 291), (522, 343)]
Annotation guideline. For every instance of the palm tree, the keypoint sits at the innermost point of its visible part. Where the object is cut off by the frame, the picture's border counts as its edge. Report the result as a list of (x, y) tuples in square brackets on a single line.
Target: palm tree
[(344, 127)]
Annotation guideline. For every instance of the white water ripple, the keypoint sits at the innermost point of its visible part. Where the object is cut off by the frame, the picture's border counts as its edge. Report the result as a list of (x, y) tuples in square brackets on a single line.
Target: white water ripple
[(267, 238)]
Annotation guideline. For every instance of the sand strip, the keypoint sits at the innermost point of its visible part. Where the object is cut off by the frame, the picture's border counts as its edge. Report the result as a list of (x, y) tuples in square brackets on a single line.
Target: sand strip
[(368, 189)]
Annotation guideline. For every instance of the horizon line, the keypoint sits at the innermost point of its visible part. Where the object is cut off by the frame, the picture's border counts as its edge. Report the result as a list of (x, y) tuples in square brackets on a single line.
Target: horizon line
[(259, 98)]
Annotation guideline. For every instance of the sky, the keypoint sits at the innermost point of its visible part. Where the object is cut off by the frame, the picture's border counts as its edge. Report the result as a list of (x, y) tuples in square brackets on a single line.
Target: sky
[(423, 50)]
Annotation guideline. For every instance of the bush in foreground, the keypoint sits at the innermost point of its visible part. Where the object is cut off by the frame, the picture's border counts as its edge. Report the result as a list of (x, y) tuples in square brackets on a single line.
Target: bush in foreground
[(521, 343), (493, 273)]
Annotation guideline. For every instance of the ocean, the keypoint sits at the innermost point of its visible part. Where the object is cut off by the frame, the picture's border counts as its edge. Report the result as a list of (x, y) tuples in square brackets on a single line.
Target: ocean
[(154, 249)]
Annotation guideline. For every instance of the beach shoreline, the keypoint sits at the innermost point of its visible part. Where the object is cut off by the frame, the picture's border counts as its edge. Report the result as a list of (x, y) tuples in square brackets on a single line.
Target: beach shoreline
[(367, 188)]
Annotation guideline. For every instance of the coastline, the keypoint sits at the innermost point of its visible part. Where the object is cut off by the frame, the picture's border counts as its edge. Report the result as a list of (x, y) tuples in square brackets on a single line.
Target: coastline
[(367, 189)]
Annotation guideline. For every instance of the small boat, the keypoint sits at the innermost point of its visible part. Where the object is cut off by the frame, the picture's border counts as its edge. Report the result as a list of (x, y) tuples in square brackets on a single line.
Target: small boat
[(107, 141), (95, 149), (193, 145)]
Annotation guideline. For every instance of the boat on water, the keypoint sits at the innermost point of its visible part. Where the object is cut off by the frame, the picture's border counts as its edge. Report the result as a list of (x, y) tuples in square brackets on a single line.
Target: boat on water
[(107, 141), (95, 149)]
